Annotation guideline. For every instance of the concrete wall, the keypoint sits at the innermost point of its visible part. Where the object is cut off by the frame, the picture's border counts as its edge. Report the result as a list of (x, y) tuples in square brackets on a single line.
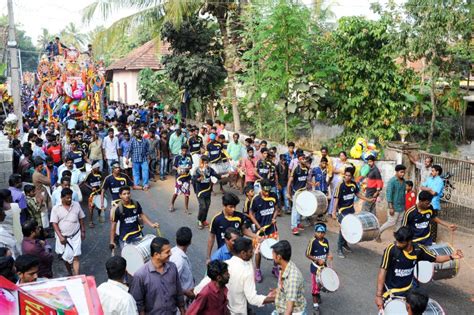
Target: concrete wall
[(6, 161), (117, 87)]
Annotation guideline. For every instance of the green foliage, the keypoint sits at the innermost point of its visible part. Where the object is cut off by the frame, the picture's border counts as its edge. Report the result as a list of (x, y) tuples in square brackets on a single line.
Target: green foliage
[(195, 64), (368, 88), (155, 86)]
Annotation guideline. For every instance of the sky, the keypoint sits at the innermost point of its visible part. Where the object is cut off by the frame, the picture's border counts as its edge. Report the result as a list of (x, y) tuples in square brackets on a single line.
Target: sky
[(54, 15)]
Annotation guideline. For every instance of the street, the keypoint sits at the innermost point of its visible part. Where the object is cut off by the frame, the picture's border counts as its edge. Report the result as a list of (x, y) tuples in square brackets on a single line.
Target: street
[(357, 272)]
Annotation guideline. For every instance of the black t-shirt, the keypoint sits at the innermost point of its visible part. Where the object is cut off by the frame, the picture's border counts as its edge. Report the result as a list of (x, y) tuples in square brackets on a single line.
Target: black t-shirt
[(114, 183), (78, 158), (400, 266), (214, 152), (346, 194), (300, 177), (184, 162), (203, 187), (128, 216), (94, 180), (220, 223), (319, 249), (263, 210), (419, 222), (195, 144)]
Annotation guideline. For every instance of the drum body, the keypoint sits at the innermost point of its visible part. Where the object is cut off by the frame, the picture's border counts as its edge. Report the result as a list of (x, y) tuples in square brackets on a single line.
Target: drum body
[(397, 306), (433, 308), (266, 248), (96, 202), (137, 254), (360, 227), (424, 271), (327, 278), (308, 203), (447, 269)]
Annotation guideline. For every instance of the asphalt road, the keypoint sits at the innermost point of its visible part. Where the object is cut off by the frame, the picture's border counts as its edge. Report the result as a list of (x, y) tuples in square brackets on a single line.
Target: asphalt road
[(357, 272)]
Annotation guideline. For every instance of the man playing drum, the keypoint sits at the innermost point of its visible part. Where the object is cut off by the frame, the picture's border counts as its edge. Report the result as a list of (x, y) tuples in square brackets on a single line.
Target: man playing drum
[(195, 141), (396, 272), (344, 196), (93, 182), (113, 183), (127, 212), (297, 183), (318, 253), (182, 164), (263, 213), (420, 217), (266, 170)]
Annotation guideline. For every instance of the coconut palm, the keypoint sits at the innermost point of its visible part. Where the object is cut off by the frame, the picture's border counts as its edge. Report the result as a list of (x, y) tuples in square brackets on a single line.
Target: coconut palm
[(44, 38), (72, 36), (153, 13)]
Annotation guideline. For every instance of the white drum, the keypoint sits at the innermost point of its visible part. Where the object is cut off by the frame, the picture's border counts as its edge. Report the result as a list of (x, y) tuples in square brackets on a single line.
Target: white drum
[(96, 202), (424, 271), (137, 254), (360, 227), (214, 179), (433, 308), (266, 248), (328, 279), (77, 190), (88, 168), (220, 168), (308, 203), (395, 306), (446, 270), (196, 162)]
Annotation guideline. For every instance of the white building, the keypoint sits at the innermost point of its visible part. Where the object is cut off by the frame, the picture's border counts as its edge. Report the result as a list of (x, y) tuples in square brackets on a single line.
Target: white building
[(123, 74)]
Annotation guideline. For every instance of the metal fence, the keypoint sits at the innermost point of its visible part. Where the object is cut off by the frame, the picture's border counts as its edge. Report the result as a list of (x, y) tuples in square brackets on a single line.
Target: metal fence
[(456, 209)]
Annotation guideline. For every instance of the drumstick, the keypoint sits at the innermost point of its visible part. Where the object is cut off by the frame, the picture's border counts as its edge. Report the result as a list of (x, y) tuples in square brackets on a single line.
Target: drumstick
[(158, 232), (452, 238)]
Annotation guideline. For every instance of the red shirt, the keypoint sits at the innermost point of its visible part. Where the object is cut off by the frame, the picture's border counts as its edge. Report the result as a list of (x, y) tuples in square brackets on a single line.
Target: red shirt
[(55, 153), (212, 300), (410, 200)]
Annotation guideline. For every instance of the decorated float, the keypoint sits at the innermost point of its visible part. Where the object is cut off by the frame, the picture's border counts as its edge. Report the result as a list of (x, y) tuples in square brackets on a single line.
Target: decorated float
[(70, 86)]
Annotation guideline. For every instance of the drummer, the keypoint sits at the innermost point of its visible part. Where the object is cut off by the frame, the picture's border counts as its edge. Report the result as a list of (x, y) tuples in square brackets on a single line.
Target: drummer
[(297, 183), (93, 182), (78, 156), (318, 253), (266, 170), (113, 183), (195, 142), (344, 197), (263, 212), (396, 275), (420, 217), (182, 164), (128, 212)]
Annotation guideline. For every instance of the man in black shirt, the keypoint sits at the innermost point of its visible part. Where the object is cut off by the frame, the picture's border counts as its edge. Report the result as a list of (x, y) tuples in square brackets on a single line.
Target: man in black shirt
[(282, 175), (297, 183), (398, 263), (228, 217)]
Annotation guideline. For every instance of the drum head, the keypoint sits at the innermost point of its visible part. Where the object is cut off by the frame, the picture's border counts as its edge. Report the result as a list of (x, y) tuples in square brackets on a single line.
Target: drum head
[(96, 202), (88, 168), (266, 248), (351, 229), (424, 271), (306, 203), (433, 308), (395, 307), (213, 179), (329, 279), (133, 257)]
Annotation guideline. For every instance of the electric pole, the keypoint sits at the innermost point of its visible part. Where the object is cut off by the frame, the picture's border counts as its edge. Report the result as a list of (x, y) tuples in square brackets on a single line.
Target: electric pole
[(14, 69)]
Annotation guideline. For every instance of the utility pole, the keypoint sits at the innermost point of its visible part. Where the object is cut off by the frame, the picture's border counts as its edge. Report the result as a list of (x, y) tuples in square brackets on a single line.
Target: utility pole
[(14, 69)]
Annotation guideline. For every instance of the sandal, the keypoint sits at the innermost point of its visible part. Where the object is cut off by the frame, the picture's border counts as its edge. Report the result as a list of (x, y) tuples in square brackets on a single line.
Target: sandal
[(91, 225)]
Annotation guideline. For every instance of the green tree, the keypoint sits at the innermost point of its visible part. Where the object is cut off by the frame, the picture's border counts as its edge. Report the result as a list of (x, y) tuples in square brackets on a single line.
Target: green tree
[(277, 33), (368, 89), (44, 39), (155, 86), (427, 30), (195, 64), (72, 36)]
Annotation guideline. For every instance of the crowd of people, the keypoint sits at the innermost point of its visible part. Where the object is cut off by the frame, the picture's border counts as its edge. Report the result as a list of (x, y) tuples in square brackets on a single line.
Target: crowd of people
[(60, 170)]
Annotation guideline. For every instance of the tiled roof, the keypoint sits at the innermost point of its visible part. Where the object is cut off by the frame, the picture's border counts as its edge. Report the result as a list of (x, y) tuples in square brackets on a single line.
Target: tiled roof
[(146, 56)]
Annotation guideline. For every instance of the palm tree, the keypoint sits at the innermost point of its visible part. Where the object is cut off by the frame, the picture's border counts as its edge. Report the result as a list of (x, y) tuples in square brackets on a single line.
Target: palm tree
[(44, 39), (72, 36), (153, 13)]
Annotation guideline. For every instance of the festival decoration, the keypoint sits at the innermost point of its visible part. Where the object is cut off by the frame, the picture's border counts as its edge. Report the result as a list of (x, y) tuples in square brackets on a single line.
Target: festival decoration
[(70, 85), (11, 126), (362, 149)]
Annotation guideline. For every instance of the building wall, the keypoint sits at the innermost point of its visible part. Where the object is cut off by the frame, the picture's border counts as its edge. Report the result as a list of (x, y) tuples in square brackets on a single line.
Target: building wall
[(124, 87)]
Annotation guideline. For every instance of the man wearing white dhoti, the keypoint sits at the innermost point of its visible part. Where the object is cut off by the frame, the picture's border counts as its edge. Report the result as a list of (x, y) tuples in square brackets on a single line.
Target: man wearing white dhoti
[(68, 223)]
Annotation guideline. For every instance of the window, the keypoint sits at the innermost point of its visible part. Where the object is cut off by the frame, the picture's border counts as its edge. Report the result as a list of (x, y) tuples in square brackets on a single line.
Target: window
[(125, 93)]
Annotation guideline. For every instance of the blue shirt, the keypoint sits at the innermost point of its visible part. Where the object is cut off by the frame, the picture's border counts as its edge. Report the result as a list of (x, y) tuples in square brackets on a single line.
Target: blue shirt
[(139, 150), (124, 147), (319, 176), (436, 184), (222, 254)]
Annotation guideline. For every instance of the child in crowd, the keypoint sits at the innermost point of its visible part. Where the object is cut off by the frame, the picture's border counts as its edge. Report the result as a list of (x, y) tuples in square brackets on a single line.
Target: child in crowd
[(318, 253), (410, 196), (249, 193)]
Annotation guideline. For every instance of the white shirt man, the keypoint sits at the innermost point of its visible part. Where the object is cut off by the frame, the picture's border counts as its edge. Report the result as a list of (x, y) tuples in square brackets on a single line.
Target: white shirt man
[(115, 298), (111, 146)]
